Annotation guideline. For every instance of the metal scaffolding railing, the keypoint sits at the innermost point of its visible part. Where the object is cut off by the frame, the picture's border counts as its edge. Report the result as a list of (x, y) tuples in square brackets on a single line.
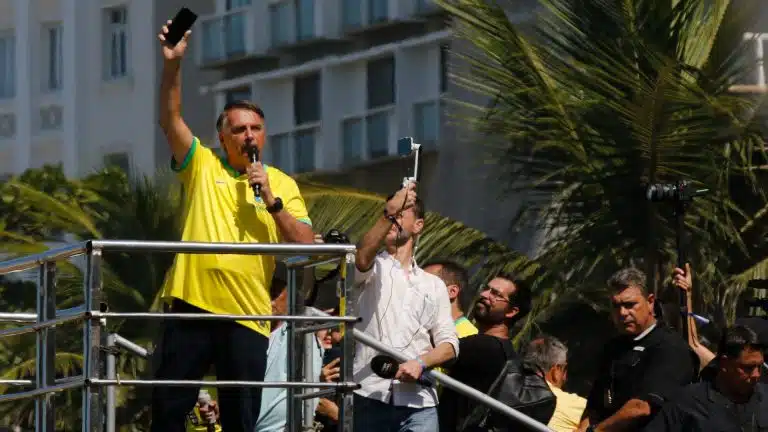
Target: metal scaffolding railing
[(99, 364), (99, 369)]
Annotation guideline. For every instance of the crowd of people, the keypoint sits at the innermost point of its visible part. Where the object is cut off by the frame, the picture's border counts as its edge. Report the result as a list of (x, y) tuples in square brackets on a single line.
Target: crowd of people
[(648, 377)]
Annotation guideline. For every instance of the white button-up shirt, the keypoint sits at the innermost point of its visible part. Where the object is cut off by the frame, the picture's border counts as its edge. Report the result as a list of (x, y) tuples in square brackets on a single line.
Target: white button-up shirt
[(406, 309)]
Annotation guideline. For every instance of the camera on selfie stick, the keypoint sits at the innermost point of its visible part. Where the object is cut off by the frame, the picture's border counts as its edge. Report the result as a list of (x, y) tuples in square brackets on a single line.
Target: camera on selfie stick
[(680, 194), (406, 147)]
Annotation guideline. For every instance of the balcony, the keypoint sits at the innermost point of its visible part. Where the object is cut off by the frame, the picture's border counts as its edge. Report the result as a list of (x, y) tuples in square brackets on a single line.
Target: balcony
[(359, 16), (230, 37), (303, 24)]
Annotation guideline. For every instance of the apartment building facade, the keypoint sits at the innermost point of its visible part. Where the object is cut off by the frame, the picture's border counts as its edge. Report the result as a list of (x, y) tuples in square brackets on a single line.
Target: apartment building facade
[(79, 80)]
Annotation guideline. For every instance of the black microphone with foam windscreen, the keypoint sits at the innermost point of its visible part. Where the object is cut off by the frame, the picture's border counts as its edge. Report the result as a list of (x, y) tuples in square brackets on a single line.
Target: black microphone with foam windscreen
[(253, 156), (386, 367)]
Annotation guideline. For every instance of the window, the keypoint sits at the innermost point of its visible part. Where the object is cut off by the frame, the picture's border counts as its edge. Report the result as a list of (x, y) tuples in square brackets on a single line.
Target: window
[(305, 151), (378, 11), (238, 94), (118, 160), (424, 6), (234, 4), (443, 68), (381, 82), (305, 20), (377, 129), (52, 62), (280, 16), (7, 66), (280, 151), (306, 99), (116, 50), (351, 14), (426, 120), (352, 141)]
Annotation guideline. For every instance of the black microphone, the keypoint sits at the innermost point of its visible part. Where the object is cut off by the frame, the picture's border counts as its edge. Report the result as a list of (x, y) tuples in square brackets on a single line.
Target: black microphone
[(253, 155), (386, 367)]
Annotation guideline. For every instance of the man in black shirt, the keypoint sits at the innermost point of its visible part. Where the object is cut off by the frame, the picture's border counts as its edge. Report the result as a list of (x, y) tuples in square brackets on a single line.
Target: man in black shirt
[(639, 368), (732, 401), (502, 302)]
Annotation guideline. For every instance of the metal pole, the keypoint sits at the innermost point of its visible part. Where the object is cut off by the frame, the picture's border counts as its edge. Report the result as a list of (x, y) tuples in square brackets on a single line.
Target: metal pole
[(92, 342), (448, 382), (308, 414), (111, 375), (295, 355), (347, 306), (45, 365)]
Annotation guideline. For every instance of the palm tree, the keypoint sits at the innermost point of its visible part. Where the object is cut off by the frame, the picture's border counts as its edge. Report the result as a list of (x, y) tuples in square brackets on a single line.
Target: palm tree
[(595, 100), (149, 210)]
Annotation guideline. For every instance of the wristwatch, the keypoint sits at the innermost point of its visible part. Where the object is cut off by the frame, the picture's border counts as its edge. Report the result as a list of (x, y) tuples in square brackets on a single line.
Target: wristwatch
[(276, 207)]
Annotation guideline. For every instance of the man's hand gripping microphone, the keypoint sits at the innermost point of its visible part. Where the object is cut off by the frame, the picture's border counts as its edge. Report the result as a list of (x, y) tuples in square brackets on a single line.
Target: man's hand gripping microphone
[(253, 156)]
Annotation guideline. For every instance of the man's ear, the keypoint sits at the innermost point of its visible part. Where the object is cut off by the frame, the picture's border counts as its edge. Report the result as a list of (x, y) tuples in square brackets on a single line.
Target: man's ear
[(651, 299), (513, 310), (418, 226), (453, 292)]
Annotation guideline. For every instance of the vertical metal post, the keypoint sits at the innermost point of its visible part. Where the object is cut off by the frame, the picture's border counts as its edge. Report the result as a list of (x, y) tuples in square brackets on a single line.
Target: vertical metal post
[(308, 414), (111, 390), (93, 339), (348, 306), (290, 408), (45, 365)]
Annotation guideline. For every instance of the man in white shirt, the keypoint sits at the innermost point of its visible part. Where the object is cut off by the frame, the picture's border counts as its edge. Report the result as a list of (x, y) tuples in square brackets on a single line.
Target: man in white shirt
[(406, 308)]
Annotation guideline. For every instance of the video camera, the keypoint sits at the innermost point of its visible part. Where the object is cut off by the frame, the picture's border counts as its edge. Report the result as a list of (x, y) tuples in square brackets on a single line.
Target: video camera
[(680, 191)]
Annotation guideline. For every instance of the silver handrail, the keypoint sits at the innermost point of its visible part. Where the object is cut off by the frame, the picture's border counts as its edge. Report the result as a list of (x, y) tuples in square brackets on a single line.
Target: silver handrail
[(93, 313)]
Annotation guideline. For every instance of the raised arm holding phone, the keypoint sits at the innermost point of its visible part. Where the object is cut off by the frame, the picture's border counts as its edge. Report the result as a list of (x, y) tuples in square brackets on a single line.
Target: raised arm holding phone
[(220, 206)]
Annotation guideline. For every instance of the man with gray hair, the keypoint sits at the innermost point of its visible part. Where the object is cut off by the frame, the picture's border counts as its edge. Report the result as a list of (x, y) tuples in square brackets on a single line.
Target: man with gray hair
[(551, 356), (641, 367)]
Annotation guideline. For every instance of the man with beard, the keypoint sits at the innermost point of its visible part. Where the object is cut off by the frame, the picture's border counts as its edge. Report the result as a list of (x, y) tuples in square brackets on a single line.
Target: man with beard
[(502, 302), (406, 308), (640, 368)]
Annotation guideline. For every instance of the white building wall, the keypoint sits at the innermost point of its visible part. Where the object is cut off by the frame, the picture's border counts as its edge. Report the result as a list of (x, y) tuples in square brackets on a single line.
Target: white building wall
[(88, 116)]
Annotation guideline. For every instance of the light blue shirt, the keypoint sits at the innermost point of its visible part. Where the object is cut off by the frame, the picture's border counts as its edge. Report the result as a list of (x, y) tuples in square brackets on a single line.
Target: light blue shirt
[(273, 413)]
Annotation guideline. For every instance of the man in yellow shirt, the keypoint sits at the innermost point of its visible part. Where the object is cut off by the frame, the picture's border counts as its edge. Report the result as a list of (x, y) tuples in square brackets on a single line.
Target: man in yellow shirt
[(551, 356), (456, 280), (220, 206)]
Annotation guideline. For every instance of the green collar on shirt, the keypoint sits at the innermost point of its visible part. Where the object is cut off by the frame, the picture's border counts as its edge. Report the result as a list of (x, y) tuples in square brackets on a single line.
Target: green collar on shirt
[(233, 172), (459, 320)]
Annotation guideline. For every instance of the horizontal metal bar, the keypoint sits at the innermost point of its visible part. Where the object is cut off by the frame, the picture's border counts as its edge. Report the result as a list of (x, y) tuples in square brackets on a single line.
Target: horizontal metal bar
[(32, 261), (22, 317), (130, 346), (309, 262), (210, 316), (446, 380), (9, 397), (314, 328), (41, 325), (317, 394), (77, 378), (223, 248), (267, 384)]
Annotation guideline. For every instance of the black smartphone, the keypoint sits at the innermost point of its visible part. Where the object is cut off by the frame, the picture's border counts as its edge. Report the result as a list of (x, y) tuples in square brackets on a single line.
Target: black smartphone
[(179, 25)]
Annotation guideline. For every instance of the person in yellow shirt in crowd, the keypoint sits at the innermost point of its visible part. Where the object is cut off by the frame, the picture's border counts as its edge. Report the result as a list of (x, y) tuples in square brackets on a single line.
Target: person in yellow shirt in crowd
[(220, 205), (551, 355), (456, 280), (205, 416)]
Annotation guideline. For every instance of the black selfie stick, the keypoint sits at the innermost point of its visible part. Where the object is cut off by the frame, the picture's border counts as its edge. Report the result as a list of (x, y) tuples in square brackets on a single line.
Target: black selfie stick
[(681, 194)]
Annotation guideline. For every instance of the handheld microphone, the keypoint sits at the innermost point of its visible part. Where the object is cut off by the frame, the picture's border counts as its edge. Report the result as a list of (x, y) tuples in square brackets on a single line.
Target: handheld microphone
[(386, 367), (205, 399), (253, 155)]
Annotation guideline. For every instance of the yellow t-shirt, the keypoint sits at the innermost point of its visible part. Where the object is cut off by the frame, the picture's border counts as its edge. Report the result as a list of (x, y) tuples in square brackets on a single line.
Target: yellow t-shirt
[(568, 410), (464, 327), (219, 206)]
